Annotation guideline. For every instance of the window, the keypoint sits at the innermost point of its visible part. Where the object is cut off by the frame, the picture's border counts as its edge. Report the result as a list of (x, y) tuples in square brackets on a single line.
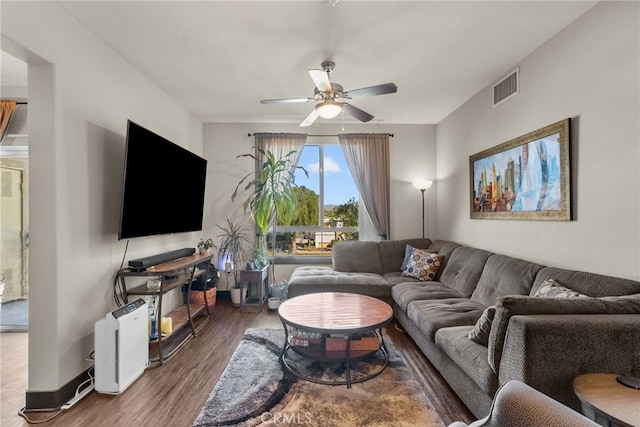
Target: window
[(327, 204)]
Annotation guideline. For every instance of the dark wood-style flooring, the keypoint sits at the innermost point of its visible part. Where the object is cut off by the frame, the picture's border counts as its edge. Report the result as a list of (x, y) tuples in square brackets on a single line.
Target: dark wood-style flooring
[(173, 394)]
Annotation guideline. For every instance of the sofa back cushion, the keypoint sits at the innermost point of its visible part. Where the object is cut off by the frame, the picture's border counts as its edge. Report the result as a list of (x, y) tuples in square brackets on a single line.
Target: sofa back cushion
[(443, 247), (464, 268), (523, 305), (590, 284), (504, 275), (392, 252), (357, 256)]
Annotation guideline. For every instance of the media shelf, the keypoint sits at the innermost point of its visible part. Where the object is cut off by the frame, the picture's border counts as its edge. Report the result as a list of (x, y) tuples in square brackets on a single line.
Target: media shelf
[(187, 319)]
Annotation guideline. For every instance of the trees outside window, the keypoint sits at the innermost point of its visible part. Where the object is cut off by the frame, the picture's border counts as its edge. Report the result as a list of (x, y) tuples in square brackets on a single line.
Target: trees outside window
[(327, 204)]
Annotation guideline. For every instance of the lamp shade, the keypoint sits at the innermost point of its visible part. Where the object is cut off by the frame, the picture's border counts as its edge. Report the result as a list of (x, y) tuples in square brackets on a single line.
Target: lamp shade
[(329, 109), (422, 185)]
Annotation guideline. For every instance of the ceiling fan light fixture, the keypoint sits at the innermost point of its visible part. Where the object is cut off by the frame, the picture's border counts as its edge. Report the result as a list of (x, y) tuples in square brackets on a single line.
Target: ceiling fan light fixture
[(329, 109)]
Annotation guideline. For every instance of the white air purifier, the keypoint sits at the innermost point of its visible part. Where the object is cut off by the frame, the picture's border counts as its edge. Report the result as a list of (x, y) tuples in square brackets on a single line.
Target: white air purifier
[(121, 347)]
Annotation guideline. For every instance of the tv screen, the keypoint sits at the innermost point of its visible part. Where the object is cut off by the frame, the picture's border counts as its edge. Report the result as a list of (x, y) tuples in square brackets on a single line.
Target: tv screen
[(163, 189)]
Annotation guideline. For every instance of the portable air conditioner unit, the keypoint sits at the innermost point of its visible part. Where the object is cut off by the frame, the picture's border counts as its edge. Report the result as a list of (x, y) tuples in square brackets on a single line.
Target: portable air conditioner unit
[(121, 347)]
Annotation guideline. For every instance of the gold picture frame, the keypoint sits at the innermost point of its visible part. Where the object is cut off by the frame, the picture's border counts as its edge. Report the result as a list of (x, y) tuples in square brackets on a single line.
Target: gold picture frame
[(527, 178)]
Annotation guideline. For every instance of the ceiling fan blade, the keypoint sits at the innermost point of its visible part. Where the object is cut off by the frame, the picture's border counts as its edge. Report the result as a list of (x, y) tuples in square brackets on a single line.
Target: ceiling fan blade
[(363, 116), (321, 79), (286, 100), (373, 90), (313, 115)]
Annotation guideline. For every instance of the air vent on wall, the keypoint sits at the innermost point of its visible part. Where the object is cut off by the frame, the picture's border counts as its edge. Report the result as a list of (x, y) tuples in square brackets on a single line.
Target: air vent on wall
[(507, 87)]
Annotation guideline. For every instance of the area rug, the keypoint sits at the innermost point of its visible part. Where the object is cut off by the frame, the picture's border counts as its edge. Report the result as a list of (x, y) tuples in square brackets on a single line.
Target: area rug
[(254, 390)]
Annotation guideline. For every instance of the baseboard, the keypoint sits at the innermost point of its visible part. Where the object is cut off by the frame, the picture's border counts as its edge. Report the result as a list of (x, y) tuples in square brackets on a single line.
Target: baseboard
[(54, 399), (223, 295)]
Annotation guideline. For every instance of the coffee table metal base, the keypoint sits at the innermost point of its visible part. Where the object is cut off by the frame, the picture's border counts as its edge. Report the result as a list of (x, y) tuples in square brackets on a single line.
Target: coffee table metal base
[(318, 355)]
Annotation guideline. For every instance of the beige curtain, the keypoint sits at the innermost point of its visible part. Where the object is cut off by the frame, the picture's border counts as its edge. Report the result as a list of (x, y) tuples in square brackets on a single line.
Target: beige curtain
[(7, 107), (368, 158), (281, 143)]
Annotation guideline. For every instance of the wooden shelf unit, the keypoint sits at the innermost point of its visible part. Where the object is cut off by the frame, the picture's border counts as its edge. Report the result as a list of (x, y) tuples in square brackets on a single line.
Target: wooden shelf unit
[(187, 319)]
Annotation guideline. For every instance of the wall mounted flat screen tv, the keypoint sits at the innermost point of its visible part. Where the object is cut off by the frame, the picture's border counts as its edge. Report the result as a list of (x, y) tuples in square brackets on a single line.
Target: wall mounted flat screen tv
[(164, 186)]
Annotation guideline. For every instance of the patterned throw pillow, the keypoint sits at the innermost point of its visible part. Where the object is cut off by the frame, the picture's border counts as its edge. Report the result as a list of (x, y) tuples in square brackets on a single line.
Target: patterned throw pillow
[(552, 289), (407, 254), (482, 329), (422, 265)]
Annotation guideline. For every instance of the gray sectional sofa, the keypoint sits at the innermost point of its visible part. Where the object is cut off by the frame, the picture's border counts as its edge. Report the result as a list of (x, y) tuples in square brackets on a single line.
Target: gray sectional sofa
[(541, 341)]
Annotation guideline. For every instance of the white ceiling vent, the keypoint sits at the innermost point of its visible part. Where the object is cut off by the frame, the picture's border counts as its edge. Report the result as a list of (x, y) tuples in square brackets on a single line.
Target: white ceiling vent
[(507, 87)]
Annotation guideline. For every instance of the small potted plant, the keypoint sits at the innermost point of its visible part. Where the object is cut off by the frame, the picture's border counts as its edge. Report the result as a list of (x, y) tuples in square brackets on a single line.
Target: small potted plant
[(204, 246)]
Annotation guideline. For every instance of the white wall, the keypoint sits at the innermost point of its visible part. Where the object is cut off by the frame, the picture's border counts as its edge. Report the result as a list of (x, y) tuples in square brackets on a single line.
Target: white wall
[(80, 95), (590, 73), (413, 156)]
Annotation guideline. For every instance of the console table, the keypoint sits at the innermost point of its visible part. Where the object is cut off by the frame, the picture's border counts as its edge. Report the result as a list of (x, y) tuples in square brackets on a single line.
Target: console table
[(187, 318), (606, 401)]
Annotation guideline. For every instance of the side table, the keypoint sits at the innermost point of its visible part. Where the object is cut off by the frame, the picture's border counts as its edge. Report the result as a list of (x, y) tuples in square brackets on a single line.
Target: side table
[(257, 284), (606, 401)]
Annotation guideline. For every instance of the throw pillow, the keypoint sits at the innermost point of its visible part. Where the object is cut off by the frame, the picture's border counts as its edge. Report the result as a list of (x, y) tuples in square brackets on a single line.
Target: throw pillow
[(422, 265), (407, 255), (482, 329), (621, 297), (552, 289)]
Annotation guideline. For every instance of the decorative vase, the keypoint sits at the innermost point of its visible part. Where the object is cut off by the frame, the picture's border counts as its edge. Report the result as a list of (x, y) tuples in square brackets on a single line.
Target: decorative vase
[(236, 298), (273, 303)]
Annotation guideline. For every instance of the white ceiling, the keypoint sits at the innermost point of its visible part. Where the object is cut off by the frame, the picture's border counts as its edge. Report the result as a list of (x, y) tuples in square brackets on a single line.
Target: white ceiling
[(220, 58)]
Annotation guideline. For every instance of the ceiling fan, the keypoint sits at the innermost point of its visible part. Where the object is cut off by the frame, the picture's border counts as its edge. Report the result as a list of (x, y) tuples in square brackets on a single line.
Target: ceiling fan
[(330, 97)]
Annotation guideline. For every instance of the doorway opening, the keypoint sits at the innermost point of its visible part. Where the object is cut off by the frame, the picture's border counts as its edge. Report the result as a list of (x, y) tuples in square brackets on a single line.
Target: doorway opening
[(14, 201)]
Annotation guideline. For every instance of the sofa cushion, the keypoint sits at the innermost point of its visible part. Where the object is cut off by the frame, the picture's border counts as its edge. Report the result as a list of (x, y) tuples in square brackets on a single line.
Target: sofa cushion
[(404, 293), (552, 289), (392, 252), (590, 284), (443, 247), (482, 328), (435, 314), (356, 256), (396, 277), (504, 275), (312, 279), (464, 268), (469, 356), (422, 264), (516, 305)]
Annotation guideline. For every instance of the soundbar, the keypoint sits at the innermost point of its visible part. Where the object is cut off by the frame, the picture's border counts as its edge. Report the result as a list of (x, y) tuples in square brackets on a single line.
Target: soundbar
[(141, 264)]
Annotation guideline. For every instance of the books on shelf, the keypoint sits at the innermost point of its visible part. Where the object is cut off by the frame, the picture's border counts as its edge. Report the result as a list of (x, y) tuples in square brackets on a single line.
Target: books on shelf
[(300, 338)]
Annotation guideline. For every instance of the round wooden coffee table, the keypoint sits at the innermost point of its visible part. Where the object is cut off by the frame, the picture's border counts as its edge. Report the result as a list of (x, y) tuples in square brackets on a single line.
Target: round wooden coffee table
[(606, 401), (334, 326)]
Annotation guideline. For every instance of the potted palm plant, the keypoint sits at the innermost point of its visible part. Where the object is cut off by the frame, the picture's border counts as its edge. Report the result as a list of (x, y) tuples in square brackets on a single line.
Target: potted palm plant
[(233, 241), (273, 196)]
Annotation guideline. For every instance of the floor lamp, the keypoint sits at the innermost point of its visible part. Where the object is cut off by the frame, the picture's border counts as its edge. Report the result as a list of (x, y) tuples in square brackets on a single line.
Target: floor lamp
[(422, 186)]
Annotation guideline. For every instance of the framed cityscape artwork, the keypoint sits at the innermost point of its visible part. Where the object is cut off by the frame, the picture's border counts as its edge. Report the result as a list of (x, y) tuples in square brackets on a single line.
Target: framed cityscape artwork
[(527, 178)]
